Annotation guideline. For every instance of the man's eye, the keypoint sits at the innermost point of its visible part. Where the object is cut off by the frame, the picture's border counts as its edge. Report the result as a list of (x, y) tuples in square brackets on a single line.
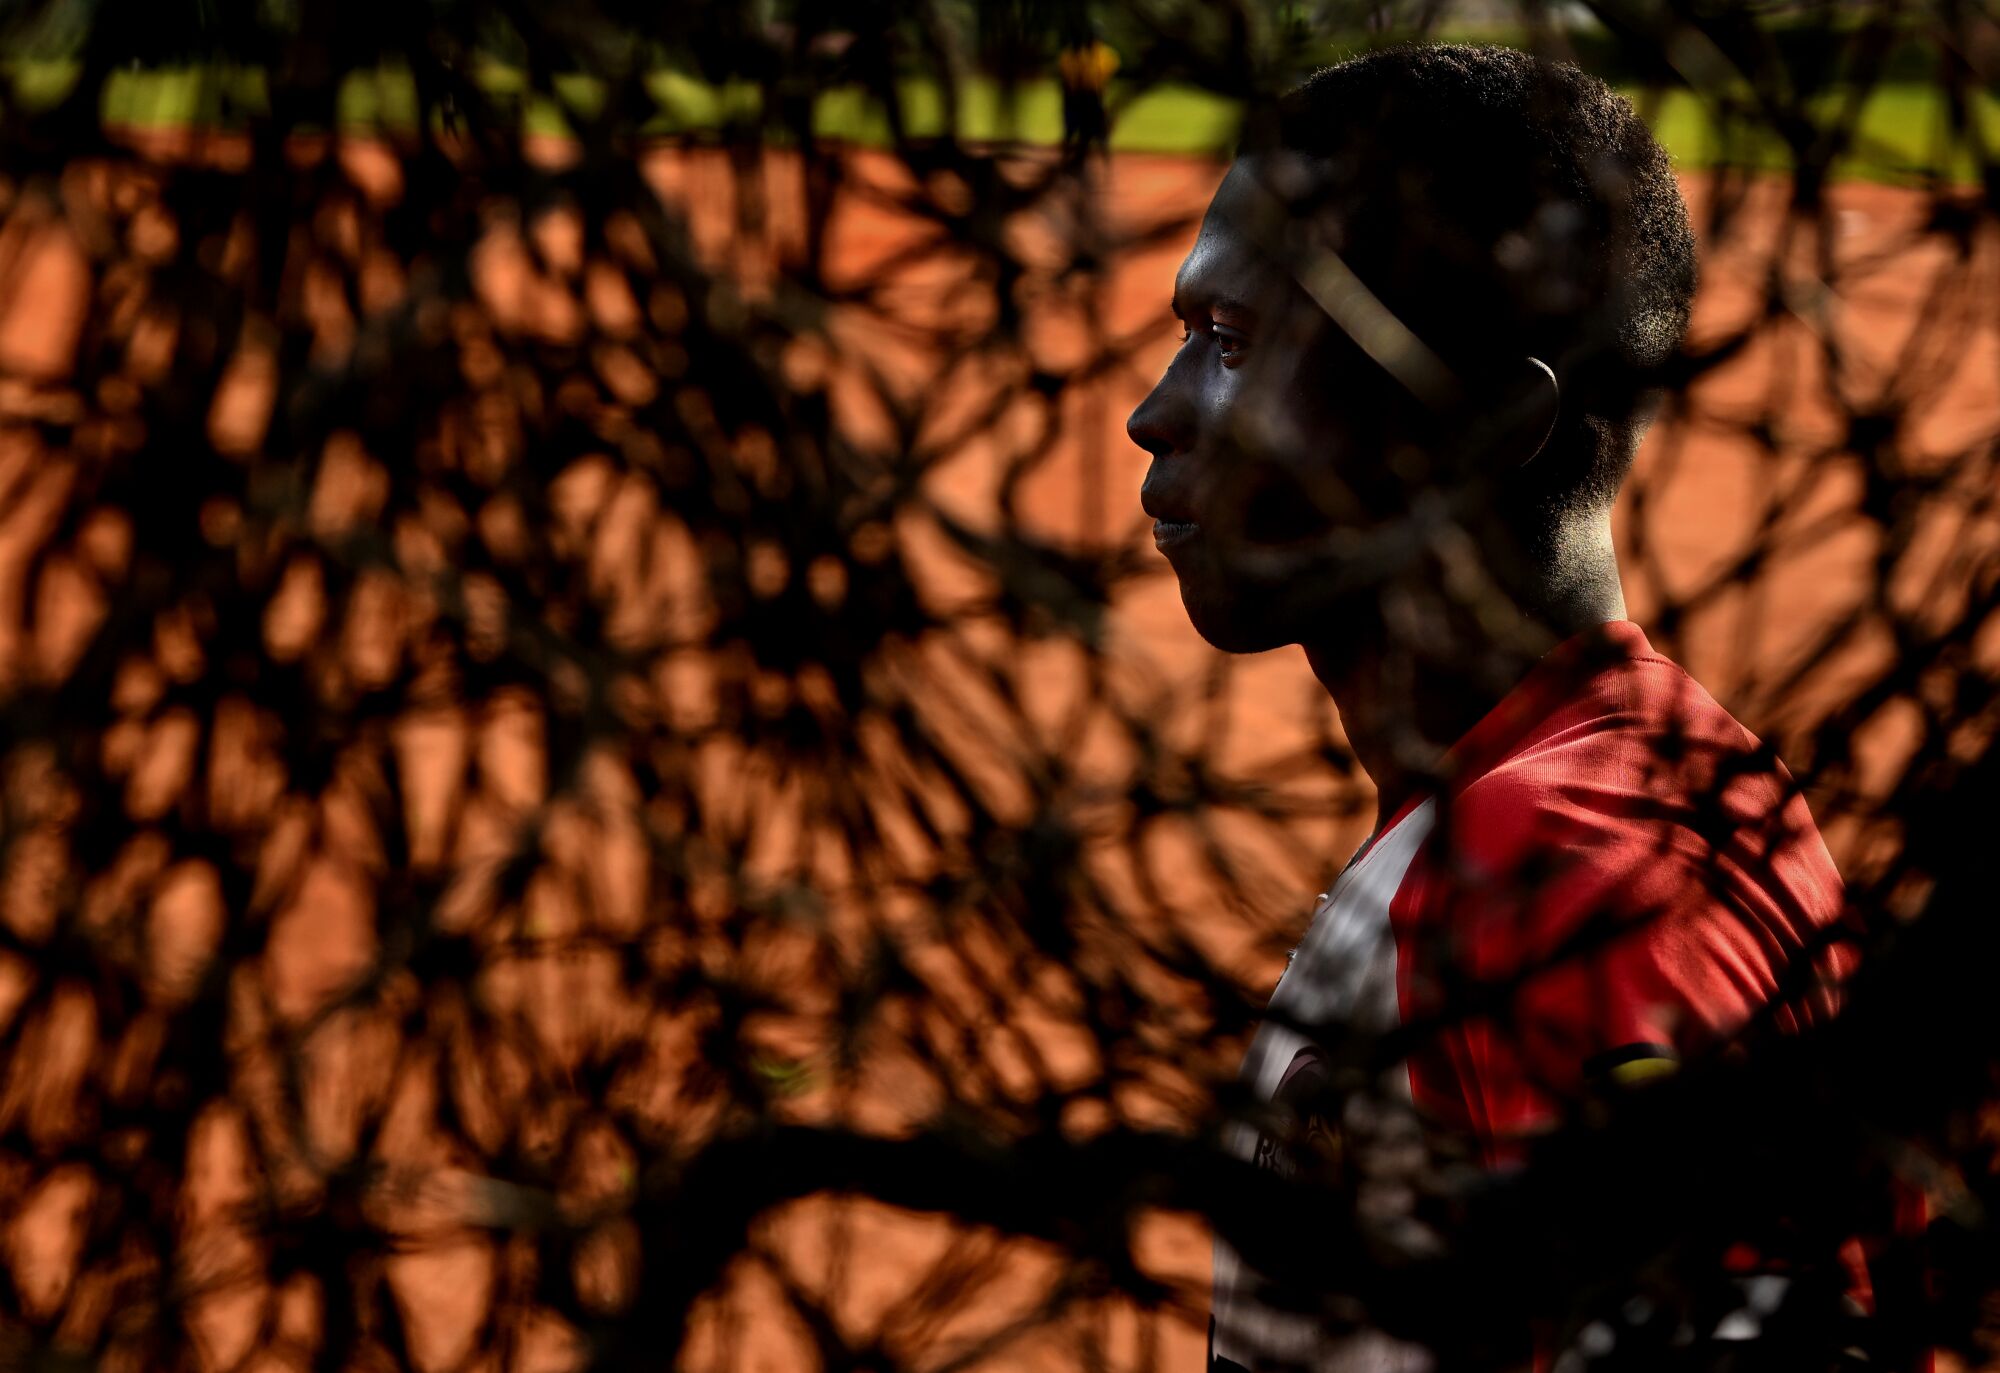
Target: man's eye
[(1229, 343)]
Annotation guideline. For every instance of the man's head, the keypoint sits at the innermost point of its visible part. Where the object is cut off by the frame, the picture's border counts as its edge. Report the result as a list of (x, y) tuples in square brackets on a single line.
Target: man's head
[(1437, 281)]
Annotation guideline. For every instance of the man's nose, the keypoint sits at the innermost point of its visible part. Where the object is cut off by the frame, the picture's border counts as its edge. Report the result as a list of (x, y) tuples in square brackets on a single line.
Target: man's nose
[(1163, 423)]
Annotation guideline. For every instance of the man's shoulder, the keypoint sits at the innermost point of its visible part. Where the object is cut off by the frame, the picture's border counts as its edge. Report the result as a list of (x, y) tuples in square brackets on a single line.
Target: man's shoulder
[(1638, 720), (1641, 706), (1638, 763), (1639, 863)]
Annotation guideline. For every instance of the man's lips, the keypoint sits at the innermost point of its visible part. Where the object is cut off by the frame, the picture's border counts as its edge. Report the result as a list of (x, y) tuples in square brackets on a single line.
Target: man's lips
[(1167, 533)]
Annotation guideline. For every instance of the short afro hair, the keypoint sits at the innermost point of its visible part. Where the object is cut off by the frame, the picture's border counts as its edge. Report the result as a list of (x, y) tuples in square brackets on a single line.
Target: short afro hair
[(1505, 205)]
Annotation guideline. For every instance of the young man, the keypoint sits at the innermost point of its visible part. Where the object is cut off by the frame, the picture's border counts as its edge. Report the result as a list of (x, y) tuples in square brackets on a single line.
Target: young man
[(1426, 318)]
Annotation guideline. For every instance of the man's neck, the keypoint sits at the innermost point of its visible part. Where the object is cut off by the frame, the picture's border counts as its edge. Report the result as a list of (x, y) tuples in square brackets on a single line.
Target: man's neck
[(1406, 696)]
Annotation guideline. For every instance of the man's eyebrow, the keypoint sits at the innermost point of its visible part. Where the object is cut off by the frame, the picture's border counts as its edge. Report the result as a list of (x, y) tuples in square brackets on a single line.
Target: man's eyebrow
[(1229, 305)]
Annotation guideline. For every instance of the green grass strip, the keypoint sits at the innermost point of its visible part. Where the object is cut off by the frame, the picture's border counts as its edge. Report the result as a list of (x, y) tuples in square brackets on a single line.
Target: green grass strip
[(1899, 136)]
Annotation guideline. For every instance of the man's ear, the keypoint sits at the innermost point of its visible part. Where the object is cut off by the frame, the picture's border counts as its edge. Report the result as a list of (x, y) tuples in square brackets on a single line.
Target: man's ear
[(1530, 401)]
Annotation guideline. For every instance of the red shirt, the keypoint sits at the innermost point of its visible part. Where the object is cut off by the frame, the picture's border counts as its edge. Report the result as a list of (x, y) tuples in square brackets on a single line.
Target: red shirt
[(1610, 847), (1608, 806)]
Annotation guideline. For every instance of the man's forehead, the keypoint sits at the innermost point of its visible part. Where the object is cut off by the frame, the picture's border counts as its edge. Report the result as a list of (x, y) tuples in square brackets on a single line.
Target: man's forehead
[(1247, 232), (1232, 251)]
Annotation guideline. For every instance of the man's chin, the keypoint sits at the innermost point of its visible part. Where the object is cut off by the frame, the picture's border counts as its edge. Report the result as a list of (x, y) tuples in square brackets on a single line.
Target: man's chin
[(1232, 625)]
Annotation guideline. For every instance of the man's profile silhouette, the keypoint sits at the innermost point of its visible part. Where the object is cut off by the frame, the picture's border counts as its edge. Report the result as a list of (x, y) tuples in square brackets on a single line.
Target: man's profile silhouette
[(1428, 315)]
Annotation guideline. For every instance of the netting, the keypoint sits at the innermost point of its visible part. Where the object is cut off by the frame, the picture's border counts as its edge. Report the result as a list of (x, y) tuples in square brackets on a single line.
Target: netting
[(596, 768)]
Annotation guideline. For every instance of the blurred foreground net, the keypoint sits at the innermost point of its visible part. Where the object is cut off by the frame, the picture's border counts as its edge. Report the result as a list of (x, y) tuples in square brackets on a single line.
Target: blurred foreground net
[(594, 768)]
